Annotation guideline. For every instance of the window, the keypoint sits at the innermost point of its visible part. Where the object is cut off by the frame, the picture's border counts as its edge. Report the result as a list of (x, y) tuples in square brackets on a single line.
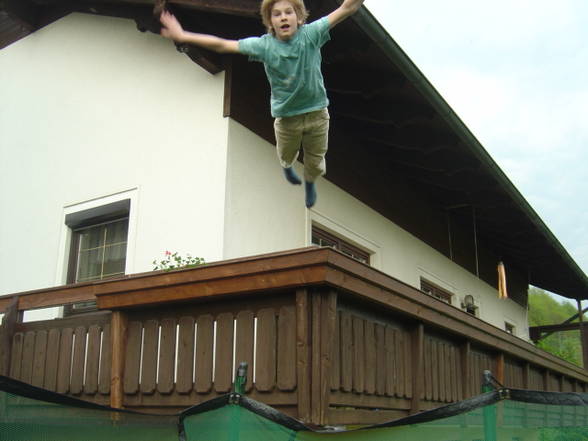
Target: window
[(435, 291), (324, 239), (509, 327), (98, 249)]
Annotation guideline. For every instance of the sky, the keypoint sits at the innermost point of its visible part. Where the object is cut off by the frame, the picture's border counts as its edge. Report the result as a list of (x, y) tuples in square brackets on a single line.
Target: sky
[(515, 72)]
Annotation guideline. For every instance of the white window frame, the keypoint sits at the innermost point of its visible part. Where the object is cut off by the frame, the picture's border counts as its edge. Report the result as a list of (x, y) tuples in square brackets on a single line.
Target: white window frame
[(78, 207)]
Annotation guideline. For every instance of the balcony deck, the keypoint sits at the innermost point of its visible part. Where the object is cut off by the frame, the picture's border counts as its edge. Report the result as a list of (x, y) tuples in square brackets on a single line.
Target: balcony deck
[(328, 340)]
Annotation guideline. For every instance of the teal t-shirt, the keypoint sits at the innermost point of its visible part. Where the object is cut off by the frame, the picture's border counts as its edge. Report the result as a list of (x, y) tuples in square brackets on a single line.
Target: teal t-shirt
[(293, 68)]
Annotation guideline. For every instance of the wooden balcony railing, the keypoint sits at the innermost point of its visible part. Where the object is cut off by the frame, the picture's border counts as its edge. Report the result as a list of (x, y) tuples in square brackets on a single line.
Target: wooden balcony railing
[(328, 340)]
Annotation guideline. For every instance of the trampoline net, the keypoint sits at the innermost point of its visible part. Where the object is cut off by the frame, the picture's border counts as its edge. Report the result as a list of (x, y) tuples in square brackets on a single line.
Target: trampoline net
[(32, 414)]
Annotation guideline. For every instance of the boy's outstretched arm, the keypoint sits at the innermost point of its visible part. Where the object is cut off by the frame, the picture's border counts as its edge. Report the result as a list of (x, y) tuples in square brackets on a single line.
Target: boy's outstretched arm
[(347, 8), (173, 30)]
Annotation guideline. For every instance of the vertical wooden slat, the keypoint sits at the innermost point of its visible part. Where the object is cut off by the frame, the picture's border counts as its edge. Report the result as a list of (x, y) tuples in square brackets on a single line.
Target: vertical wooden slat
[(245, 343), (28, 354), (118, 334), (204, 353), (417, 344), (448, 373), (527, 376), (265, 370), (150, 356), (64, 364), (105, 361), (428, 370), (358, 355), (454, 375), (400, 355), (186, 342), (79, 358), (500, 369), (328, 321), (133, 358), (303, 355), (346, 332), (442, 370), (466, 371), (436, 370), (407, 357), (335, 380), (223, 372), (287, 348), (167, 356), (39, 359), (381, 360), (51, 366), (16, 356), (92, 360), (370, 357), (391, 370)]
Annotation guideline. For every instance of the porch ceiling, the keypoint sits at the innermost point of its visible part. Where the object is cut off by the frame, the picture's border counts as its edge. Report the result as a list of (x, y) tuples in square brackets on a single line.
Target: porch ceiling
[(383, 102)]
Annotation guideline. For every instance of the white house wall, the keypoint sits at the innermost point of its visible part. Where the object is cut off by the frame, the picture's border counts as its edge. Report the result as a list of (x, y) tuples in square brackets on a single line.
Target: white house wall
[(93, 109), (266, 214)]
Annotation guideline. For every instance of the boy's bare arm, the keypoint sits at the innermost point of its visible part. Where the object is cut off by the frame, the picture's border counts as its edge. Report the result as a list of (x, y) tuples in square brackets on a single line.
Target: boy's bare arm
[(173, 30), (347, 8)]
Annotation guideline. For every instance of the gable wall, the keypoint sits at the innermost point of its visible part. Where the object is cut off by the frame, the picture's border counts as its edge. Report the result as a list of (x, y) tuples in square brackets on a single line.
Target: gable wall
[(90, 108)]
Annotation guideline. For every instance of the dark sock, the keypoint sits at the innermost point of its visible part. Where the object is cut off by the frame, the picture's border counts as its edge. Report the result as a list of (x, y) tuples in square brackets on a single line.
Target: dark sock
[(291, 176), (310, 190)]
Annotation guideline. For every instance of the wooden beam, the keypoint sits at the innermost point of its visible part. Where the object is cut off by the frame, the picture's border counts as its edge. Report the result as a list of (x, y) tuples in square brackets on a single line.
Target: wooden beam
[(210, 61), (22, 12), (246, 8)]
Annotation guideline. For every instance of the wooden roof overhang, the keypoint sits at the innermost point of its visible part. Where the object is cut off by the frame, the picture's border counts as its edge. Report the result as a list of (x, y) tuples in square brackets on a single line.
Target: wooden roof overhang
[(403, 130)]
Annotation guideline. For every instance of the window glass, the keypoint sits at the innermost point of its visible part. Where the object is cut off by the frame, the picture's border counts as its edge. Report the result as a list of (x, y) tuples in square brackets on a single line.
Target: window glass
[(101, 252), (325, 239)]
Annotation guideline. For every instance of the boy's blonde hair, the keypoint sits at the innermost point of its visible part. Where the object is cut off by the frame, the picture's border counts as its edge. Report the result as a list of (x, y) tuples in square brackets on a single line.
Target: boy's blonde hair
[(266, 12)]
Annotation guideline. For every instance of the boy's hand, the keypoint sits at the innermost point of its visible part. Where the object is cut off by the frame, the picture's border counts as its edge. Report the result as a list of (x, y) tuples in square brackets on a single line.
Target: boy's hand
[(171, 26)]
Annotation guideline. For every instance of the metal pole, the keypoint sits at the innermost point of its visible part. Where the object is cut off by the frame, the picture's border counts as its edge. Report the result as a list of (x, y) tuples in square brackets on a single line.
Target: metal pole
[(583, 335), (489, 411)]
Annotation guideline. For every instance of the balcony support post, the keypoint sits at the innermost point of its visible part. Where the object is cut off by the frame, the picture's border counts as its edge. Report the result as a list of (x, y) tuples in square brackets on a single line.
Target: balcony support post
[(119, 343)]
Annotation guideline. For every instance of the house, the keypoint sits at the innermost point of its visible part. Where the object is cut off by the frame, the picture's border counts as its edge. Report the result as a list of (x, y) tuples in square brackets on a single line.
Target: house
[(115, 147)]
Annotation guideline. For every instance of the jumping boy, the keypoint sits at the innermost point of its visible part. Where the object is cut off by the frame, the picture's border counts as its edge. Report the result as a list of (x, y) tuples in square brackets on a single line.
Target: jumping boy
[(290, 52)]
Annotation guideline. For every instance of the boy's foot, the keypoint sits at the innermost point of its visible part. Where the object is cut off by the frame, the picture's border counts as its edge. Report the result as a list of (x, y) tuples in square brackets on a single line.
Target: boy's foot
[(291, 176), (310, 190)]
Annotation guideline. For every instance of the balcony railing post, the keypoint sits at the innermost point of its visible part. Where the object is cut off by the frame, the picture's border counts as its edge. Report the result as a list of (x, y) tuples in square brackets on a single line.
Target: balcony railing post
[(303, 367), (11, 317), (324, 315), (119, 343)]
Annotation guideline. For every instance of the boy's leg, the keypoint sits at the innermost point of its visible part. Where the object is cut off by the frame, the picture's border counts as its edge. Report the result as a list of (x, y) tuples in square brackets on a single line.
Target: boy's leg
[(315, 143), (288, 132)]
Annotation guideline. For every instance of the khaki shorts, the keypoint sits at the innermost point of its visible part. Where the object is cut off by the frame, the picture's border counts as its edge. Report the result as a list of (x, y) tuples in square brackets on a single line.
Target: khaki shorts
[(309, 131)]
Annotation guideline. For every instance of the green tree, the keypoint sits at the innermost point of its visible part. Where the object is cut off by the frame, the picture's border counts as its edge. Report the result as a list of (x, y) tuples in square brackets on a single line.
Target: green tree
[(546, 310)]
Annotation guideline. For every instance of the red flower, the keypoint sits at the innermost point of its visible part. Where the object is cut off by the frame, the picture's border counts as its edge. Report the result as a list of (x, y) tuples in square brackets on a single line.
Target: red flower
[(167, 253)]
